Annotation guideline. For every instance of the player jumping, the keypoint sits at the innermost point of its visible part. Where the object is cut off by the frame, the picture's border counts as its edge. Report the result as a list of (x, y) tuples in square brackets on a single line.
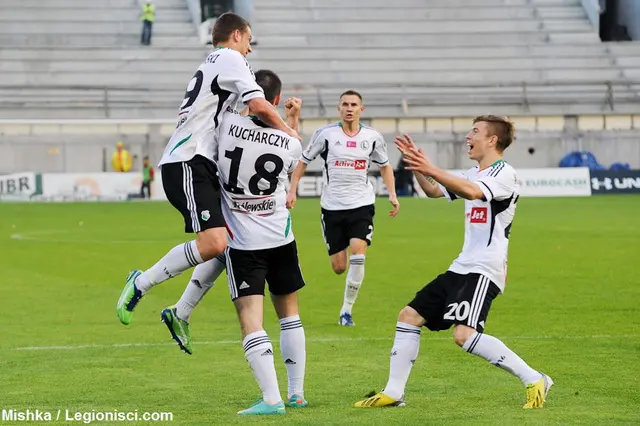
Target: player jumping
[(462, 295), (188, 165), (347, 203)]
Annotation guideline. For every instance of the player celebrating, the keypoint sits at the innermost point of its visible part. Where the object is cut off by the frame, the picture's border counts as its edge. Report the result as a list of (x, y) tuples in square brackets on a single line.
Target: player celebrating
[(254, 164), (187, 166), (462, 296), (347, 202), (177, 317)]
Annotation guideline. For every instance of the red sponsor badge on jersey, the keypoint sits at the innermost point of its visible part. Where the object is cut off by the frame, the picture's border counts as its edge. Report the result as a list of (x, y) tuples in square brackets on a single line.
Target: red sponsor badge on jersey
[(478, 215), (352, 144), (360, 164)]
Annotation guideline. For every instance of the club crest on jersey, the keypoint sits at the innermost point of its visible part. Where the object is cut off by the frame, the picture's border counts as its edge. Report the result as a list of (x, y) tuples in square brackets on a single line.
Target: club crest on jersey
[(351, 164), (364, 145), (352, 144), (478, 215), (259, 206), (205, 215)]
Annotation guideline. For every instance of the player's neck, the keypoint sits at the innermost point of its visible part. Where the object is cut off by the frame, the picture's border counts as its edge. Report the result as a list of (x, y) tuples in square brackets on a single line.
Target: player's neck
[(223, 45), (489, 160), (350, 128)]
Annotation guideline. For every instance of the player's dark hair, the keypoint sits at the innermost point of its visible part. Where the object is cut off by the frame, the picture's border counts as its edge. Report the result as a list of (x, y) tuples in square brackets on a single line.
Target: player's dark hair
[(225, 25), (501, 127), (351, 92), (270, 83)]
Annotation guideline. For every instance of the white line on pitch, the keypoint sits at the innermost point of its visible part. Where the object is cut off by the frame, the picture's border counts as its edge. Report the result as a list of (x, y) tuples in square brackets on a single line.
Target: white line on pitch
[(316, 340)]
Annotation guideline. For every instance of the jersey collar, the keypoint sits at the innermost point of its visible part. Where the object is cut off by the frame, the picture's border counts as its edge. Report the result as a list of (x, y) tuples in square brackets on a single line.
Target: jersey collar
[(342, 128), (493, 165), (257, 121)]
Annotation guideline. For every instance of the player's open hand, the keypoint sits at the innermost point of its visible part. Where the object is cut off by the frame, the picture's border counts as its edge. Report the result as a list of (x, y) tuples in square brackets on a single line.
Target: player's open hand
[(396, 205), (291, 200), (415, 158), (292, 107)]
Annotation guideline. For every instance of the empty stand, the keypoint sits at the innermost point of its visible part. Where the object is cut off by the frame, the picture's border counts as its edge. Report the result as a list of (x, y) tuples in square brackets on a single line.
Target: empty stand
[(74, 58)]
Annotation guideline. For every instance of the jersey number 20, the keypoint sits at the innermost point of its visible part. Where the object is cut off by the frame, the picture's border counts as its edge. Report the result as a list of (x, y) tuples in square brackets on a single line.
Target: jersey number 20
[(261, 173)]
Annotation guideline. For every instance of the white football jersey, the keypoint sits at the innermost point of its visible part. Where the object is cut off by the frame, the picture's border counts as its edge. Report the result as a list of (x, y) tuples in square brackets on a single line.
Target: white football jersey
[(222, 80), (254, 163), (346, 164), (488, 222)]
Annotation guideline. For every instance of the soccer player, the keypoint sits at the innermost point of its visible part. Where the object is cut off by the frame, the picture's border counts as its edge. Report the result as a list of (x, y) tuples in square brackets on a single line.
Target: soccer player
[(254, 163), (177, 317), (188, 165), (347, 204), (463, 295)]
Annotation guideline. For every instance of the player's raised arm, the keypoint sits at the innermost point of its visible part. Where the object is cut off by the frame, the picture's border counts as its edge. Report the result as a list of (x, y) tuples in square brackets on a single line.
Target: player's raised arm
[(419, 162), (428, 185), (269, 115), (239, 75), (292, 111)]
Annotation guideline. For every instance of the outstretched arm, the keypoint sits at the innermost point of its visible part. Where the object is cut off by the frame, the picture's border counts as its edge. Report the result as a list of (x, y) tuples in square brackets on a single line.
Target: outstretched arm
[(269, 115), (418, 162)]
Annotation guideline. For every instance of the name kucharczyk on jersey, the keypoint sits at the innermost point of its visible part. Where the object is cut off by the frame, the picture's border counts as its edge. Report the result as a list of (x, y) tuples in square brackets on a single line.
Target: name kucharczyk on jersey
[(256, 136)]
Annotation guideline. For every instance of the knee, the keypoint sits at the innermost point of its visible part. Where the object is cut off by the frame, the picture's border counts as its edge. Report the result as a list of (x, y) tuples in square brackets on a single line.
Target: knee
[(339, 269), (339, 266), (461, 334), (211, 245), (410, 316)]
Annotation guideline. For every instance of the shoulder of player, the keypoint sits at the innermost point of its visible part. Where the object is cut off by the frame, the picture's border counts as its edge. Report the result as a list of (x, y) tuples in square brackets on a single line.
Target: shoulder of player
[(326, 129), (501, 168), (368, 130)]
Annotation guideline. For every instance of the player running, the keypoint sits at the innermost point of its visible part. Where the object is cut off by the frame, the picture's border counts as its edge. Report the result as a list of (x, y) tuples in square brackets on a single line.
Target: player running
[(347, 204), (463, 295), (188, 165), (254, 164)]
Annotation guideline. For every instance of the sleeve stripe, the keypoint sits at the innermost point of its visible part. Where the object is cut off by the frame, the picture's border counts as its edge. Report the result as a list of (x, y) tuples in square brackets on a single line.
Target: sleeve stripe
[(305, 157), (250, 91), (497, 169), (486, 186), (452, 196), (381, 163)]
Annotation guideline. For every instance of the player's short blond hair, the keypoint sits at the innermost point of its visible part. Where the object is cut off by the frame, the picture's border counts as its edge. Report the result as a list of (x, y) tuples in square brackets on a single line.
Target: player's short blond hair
[(498, 126)]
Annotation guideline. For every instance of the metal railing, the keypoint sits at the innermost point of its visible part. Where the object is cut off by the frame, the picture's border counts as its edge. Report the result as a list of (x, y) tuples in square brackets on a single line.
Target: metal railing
[(603, 95)]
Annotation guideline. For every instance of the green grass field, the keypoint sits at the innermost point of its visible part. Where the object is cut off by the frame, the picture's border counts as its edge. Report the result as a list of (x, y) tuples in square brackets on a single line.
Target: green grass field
[(570, 309)]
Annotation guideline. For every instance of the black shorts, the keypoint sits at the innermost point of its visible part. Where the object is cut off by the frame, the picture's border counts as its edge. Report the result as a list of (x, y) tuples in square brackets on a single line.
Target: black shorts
[(455, 299), (340, 226), (247, 271), (192, 187)]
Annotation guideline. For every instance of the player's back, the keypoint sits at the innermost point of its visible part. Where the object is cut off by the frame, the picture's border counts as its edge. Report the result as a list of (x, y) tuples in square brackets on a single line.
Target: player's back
[(254, 162), (346, 164), (220, 82)]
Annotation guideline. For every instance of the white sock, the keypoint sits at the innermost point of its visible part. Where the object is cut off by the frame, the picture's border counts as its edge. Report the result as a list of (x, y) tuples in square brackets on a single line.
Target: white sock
[(498, 354), (355, 276), (403, 356), (202, 279), (179, 259), (259, 353), (294, 353)]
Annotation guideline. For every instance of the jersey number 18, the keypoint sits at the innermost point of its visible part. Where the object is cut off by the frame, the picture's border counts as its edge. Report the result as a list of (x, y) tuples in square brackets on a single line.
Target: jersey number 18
[(261, 173)]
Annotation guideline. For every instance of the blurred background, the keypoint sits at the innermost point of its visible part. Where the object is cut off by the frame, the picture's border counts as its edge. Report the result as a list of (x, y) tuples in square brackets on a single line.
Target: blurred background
[(92, 87)]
